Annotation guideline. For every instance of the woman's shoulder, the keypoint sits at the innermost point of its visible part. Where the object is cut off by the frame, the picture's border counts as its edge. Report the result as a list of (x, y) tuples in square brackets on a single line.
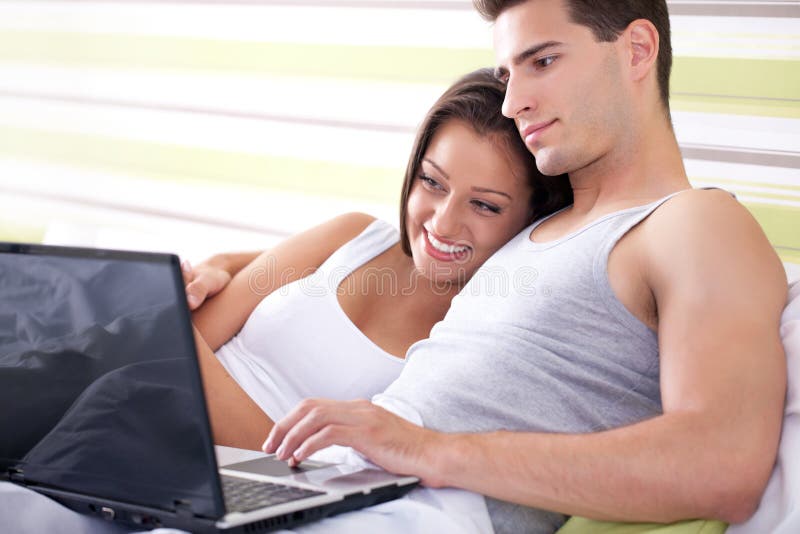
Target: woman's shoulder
[(352, 223), (350, 229), (346, 227)]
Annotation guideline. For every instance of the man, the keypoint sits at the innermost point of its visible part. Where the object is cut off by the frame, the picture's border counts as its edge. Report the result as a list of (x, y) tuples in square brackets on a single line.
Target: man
[(644, 378)]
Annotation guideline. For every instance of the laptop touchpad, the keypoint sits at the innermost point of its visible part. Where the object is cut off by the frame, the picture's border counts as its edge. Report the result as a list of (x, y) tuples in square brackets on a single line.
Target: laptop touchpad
[(271, 466)]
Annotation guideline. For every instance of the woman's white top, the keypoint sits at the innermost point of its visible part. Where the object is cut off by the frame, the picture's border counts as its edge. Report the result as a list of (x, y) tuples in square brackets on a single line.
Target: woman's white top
[(299, 343)]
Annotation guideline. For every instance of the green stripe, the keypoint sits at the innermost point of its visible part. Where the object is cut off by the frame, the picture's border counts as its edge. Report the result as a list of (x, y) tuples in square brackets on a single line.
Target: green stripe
[(725, 36), (187, 164), (403, 64), (762, 86), (190, 165), (737, 77), (765, 196), (193, 165), (780, 223), (735, 106), (744, 183), (770, 196), (789, 256), (13, 230)]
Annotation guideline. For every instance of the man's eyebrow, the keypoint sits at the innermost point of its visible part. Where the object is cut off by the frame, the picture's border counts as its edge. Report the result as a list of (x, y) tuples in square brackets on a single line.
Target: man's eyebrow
[(441, 171), (529, 52)]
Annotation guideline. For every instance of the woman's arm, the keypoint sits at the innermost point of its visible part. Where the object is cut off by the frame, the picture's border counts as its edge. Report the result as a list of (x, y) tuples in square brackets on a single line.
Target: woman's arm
[(208, 278), (221, 317), (236, 420)]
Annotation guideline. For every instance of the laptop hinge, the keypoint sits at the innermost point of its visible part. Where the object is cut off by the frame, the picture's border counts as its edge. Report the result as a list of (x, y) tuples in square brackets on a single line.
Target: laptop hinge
[(16, 475), (183, 508)]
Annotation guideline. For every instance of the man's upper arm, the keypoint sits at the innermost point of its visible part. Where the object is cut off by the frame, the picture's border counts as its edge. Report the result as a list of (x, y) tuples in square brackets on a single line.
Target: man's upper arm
[(720, 289)]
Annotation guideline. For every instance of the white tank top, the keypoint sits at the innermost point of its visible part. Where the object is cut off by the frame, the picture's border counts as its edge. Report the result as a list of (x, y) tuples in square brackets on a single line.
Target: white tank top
[(299, 343)]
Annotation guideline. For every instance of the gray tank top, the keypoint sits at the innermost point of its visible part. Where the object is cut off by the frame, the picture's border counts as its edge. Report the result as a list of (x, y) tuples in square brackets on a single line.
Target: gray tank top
[(537, 341)]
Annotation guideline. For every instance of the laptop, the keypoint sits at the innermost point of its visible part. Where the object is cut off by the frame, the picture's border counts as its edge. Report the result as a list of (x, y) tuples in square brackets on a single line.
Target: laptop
[(102, 405)]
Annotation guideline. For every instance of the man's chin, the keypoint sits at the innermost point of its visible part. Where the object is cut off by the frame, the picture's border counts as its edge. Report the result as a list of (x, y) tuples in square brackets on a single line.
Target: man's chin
[(548, 163)]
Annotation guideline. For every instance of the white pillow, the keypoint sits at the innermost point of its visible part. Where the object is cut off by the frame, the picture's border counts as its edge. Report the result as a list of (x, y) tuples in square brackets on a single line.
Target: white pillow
[(779, 511)]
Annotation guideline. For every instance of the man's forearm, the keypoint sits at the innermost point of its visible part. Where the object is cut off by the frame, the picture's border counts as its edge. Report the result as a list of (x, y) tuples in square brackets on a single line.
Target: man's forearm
[(664, 469)]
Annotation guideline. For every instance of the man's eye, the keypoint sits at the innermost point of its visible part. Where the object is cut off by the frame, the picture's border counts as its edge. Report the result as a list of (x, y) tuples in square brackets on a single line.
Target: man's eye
[(545, 61)]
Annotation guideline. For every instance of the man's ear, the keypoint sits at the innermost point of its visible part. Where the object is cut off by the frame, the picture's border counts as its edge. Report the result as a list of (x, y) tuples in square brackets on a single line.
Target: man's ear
[(642, 41)]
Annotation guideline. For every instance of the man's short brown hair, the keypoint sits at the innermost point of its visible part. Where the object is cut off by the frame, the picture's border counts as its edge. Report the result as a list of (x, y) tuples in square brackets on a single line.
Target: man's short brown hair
[(607, 19)]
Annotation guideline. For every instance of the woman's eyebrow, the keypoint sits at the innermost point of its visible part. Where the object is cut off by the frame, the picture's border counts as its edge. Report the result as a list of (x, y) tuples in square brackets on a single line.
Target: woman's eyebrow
[(485, 190), (441, 171), (476, 189)]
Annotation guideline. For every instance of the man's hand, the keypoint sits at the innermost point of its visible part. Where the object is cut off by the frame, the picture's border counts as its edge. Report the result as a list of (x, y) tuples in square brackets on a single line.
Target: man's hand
[(384, 438), (203, 282)]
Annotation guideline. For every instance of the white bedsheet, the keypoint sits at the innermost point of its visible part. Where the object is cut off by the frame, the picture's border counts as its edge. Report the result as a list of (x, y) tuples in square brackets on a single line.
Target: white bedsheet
[(779, 512), (23, 511)]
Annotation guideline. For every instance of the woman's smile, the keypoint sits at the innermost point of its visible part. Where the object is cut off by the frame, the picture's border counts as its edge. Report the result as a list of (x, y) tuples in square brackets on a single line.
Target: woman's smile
[(468, 199), (443, 250)]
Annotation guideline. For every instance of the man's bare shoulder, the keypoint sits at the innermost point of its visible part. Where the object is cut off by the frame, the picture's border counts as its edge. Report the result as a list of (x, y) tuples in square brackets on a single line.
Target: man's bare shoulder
[(707, 236), (698, 206)]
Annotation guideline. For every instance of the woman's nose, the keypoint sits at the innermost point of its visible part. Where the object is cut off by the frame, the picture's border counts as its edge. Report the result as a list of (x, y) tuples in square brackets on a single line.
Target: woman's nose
[(447, 221)]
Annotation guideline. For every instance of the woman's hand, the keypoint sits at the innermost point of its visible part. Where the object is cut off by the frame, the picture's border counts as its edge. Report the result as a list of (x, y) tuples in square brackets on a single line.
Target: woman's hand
[(384, 438), (203, 282)]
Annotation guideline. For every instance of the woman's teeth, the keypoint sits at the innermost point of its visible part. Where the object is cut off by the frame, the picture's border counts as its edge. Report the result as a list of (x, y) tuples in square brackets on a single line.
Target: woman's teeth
[(442, 247)]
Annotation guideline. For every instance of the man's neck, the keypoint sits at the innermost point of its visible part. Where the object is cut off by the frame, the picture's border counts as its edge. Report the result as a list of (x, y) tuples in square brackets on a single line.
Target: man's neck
[(644, 167)]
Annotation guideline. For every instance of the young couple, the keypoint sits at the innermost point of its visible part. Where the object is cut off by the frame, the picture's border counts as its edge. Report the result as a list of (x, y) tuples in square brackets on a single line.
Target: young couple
[(638, 375), (285, 334)]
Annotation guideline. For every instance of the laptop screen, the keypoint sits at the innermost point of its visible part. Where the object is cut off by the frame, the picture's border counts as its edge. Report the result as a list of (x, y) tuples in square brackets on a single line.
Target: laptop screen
[(100, 390)]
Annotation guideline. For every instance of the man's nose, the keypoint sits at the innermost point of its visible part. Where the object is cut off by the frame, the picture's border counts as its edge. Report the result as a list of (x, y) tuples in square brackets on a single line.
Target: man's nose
[(517, 99)]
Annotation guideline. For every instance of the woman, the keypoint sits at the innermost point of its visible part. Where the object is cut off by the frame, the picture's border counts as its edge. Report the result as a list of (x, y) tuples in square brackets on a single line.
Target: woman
[(331, 312)]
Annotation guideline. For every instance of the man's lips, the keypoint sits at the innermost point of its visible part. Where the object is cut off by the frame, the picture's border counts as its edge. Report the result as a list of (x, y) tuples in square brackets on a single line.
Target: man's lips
[(532, 132)]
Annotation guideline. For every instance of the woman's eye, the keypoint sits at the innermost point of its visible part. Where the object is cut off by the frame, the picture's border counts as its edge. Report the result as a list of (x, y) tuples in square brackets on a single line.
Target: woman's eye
[(484, 207), (429, 182)]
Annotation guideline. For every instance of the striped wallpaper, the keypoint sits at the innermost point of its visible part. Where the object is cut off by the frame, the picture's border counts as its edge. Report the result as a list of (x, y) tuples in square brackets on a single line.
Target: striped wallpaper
[(203, 125)]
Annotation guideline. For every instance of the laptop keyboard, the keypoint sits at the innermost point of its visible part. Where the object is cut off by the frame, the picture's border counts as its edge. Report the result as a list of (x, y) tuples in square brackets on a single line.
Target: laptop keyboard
[(243, 495)]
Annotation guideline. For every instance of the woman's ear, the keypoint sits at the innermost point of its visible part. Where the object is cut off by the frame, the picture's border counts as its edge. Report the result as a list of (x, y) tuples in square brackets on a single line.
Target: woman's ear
[(642, 40)]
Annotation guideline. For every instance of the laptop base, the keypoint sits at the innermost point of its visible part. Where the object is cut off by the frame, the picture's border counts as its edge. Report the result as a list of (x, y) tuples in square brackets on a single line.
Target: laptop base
[(143, 518)]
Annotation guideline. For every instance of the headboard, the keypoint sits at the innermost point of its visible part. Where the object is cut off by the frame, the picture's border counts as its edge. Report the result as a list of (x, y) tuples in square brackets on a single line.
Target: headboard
[(260, 97)]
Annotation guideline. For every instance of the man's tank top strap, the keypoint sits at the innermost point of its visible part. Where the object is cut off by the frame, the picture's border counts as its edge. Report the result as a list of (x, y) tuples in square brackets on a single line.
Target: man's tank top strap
[(618, 228), (378, 236), (634, 217)]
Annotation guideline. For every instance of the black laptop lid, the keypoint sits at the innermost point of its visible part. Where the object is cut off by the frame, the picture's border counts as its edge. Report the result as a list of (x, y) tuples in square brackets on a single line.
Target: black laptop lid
[(100, 391)]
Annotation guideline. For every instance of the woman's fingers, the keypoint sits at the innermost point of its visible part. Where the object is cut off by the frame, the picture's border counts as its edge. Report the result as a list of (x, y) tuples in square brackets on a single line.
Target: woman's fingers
[(205, 282), (193, 287), (196, 292), (187, 272)]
